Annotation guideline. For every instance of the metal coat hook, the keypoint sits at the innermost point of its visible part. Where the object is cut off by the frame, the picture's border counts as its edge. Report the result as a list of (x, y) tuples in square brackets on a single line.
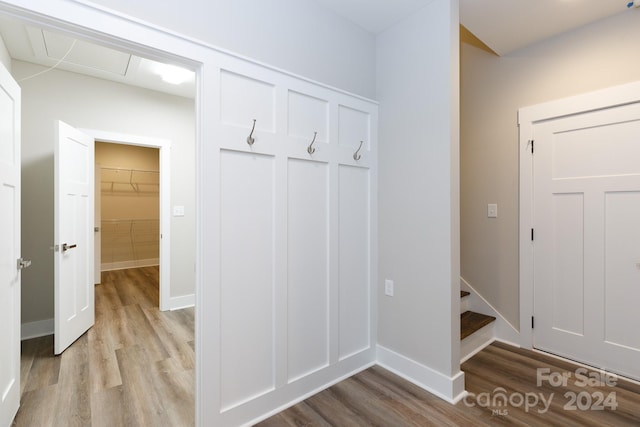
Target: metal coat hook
[(250, 138), (310, 148), (357, 156)]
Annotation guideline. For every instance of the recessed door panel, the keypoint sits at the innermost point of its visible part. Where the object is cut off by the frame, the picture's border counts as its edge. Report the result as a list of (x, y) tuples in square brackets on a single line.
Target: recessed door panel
[(244, 99), (622, 269), (247, 276), (308, 267), (568, 263), (307, 115), (354, 226), (354, 126)]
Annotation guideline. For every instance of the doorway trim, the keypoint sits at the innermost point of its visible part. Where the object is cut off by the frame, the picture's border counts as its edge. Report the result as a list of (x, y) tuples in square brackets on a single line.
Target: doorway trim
[(528, 117), (164, 147)]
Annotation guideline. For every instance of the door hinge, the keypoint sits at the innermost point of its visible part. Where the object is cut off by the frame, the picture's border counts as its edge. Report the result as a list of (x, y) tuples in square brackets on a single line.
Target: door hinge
[(532, 322), (532, 234)]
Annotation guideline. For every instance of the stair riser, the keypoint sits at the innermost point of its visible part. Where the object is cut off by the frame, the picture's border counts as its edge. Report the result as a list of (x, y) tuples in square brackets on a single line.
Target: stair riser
[(476, 342), (464, 304)]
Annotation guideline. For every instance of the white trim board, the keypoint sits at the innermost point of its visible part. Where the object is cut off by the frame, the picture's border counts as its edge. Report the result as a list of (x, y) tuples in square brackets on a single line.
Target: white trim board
[(122, 265), (37, 329), (450, 389), (527, 118), (183, 301)]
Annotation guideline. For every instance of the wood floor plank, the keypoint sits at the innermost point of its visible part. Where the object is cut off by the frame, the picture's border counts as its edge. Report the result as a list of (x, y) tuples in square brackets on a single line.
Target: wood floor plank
[(143, 405), (73, 388), (44, 368), (378, 397), (109, 408), (135, 367), (119, 373)]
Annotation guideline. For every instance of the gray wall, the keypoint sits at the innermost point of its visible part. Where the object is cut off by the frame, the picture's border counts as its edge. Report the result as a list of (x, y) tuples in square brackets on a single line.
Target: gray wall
[(492, 89), (299, 36), (5, 59), (86, 102), (418, 187)]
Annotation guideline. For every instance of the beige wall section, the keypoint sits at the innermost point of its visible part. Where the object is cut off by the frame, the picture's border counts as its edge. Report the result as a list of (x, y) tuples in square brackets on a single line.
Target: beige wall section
[(91, 103), (120, 200), (493, 88), (130, 204)]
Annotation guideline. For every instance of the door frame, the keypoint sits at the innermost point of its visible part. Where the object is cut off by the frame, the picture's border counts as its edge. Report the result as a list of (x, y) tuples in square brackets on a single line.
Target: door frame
[(528, 117), (164, 147)]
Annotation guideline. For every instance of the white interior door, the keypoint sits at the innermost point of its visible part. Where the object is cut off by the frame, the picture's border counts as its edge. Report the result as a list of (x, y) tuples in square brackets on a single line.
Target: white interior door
[(9, 247), (74, 240), (587, 239)]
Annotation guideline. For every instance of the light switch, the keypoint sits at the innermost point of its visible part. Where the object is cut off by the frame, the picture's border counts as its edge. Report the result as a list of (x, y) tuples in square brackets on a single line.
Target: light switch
[(178, 211), (492, 210), (388, 287)]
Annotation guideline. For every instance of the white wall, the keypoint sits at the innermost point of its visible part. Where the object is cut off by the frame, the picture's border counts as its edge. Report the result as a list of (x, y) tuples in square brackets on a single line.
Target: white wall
[(5, 59), (418, 192), (299, 36), (87, 102), (493, 89)]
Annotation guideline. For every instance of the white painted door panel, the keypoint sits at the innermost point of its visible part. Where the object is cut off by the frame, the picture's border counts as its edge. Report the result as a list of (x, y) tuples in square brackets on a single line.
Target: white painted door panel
[(247, 276), (354, 260), (73, 234), (295, 239), (9, 247), (308, 267), (586, 250)]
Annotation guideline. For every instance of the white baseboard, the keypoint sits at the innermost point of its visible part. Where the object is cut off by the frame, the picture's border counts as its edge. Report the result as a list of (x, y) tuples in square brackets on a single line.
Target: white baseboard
[(37, 329), (447, 388), (184, 301), (121, 265), (503, 329)]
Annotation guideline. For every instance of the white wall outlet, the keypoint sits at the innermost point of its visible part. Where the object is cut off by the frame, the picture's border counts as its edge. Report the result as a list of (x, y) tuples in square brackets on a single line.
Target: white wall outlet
[(388, 287), (492, 210), (178, 211)]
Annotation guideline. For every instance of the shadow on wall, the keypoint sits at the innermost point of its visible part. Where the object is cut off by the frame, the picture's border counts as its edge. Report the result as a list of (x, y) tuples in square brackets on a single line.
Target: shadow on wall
[(37, 237)]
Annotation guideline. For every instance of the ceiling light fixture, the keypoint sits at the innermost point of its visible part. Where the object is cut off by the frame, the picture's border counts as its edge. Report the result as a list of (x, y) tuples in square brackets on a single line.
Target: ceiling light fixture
[(173, 74)]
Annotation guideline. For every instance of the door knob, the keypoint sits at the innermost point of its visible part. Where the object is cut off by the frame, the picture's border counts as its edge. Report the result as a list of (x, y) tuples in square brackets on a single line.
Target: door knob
[(66, 247), (23, 263)]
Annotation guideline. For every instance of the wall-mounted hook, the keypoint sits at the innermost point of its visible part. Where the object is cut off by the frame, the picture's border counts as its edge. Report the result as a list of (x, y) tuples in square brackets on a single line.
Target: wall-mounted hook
[(310, 148), (250, 138), (357, 156)]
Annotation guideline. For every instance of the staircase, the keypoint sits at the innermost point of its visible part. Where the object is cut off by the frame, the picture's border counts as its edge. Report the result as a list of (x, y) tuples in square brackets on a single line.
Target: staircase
[(476, 329)]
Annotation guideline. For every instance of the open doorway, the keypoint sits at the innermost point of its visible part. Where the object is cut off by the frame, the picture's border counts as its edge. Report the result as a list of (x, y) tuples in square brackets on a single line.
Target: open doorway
[(93, 103), (133, 212)]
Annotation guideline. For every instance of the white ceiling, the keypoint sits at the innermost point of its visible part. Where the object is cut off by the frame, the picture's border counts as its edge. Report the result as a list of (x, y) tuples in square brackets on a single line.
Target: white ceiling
[(50, 49), (503, 25)]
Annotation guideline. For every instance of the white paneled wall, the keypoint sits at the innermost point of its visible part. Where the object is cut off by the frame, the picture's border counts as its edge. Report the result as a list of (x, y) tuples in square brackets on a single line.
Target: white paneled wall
[(296, 238)]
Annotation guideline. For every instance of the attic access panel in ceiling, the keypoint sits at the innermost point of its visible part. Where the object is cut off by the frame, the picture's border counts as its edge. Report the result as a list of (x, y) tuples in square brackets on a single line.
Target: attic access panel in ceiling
[(55, 46)]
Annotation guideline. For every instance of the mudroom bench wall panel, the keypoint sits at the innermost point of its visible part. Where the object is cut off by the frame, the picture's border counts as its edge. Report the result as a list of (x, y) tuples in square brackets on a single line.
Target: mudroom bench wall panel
[(296, 167)]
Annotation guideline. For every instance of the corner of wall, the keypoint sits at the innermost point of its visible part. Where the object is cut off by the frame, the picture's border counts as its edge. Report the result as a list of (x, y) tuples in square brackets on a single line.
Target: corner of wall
[(448, 388), (5, 58)]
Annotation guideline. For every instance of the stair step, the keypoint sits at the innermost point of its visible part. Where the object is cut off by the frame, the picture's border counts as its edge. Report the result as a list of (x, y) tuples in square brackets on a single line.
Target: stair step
[(471, 321), (464, 294)]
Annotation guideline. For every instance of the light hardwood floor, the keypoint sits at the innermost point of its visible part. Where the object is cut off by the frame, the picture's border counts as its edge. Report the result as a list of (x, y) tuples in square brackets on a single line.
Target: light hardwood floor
[(376, 397), (135, 367)]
